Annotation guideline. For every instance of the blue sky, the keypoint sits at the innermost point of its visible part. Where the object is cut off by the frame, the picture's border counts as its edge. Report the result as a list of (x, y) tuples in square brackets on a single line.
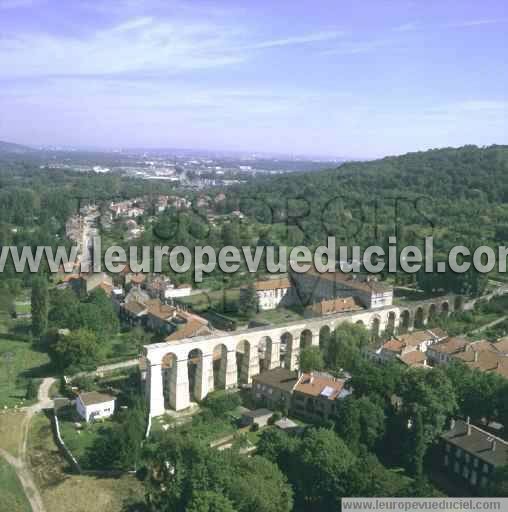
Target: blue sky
[(333, 77)]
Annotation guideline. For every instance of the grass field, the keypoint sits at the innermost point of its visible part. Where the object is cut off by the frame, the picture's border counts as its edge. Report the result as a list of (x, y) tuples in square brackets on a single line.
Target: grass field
[(10, 431), (19, 361), (12, 495), (62, 491), (79, 440)]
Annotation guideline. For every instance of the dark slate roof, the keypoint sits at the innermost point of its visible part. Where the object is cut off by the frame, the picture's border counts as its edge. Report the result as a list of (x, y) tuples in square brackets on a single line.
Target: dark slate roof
[(478, 443), (279, 378), (93, 397), (258, 413)]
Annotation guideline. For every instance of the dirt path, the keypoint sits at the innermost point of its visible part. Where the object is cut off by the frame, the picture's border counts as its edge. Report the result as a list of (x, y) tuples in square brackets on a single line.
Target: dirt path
[(490, 324), (20, 463)]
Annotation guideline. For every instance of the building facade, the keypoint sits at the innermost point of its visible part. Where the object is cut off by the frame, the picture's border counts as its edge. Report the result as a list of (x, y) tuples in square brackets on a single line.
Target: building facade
[(471, 455)]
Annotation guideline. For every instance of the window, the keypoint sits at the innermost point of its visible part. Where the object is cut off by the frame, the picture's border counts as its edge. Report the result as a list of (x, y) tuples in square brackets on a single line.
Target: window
[(467, 457), (475, 462)]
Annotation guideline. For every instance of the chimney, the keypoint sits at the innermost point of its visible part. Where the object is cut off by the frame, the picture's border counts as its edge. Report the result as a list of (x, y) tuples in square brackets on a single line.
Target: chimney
[(493, 445), (452, 423), (468, 424)]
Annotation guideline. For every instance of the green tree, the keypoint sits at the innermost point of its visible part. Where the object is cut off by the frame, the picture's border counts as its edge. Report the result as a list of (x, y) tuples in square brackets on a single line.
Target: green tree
[(311, 359), (210, 501), (418, 447), (135, 339), (432, 395), (179, 467), (78, 350), (345, 345), (360, 421), (321, 471), (121, 445), (248, 302), (31, 390), (40, 305), (499, 485)]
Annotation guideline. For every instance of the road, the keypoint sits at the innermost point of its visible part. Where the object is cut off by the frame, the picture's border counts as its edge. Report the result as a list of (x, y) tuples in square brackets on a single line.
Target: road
[(20, 463)]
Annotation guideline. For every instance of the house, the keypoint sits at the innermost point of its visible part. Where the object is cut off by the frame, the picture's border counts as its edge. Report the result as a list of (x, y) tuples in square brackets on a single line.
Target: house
[(273, 292), (161, 287), (484, 360), (180, 290), (314, 286), (441, 353), (92, 406), (159, 316), (310, 395), (139, 309), (257, 417), (87, 282), (188, 325), (274, 388), (128, 209), (414, 359), (316, 395), (471, 455), (401, 346), (331, 306)]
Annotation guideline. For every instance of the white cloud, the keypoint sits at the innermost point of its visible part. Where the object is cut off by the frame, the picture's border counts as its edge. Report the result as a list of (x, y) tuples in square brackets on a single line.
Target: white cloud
[(357, 47), (15, 4), (406, 27), (476, 23), (297, 40), (137, 45)]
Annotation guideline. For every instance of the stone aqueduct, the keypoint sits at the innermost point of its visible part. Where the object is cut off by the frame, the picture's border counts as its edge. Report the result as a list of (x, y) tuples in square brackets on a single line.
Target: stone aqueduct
[(191, 368)]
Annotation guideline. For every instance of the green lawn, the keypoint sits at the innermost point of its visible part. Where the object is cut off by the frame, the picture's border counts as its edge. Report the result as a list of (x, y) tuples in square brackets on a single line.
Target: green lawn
[(215, 300), (62, 491), (22, 308), (12, 495), (79, 440), (278, 316), (19, 361), (116, 349)]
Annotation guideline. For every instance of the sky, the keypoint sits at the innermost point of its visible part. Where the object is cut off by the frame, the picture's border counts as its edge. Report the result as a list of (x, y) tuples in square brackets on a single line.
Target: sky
[(344, 78)]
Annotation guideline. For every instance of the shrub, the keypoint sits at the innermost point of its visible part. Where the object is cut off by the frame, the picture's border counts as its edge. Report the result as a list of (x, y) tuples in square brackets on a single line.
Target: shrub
[(221, 402), (276, 416)]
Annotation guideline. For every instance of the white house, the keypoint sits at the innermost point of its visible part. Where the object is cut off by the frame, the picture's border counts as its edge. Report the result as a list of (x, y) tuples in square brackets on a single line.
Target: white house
[(181, 290), (92, 406), (272, 292)]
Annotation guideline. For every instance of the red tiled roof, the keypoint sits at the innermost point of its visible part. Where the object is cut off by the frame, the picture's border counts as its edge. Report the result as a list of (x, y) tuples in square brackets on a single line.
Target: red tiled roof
[(337, 305), (273, 284), (313, 384), (450, 346), (413, 358)]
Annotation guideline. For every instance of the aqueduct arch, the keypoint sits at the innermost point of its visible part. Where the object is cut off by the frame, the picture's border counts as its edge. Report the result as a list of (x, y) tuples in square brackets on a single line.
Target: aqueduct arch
[(188, 369)]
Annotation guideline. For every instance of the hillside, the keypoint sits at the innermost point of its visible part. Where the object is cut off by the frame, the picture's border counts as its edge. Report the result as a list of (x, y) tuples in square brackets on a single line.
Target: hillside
[(458, 195), (9, 147)]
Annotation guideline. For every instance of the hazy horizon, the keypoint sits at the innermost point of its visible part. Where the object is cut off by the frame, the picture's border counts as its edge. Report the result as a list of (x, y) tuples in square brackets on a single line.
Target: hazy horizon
[(351, 80)]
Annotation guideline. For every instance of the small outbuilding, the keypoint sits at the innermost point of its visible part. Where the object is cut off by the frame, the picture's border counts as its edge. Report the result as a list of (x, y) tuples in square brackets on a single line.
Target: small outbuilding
[(257, 416), (93, 406), (286, 425)]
